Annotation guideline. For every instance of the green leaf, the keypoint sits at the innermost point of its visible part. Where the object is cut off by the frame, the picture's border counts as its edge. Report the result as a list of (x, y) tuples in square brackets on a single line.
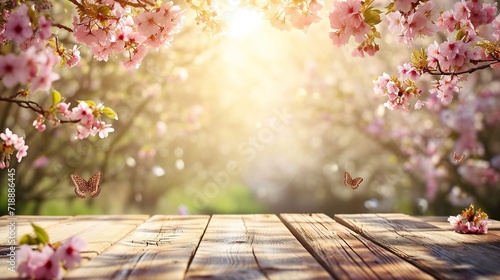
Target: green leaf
[(41, 234), (56, 97), (110, 113), (91, 103), (28, 239), (372, 17)]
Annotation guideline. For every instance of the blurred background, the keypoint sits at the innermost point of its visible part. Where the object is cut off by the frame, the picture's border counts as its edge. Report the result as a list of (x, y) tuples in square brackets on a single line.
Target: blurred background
[(259, 121)]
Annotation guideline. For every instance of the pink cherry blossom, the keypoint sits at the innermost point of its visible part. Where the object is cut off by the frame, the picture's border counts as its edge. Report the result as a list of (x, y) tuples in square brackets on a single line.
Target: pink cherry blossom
[(82, 132), (39, 123), (496, 27), (63, 108), (74, 57), (22, 152), (18, 27), (146, 24), (83, 113), (25, 266), (9, 137), (11, 70), (104, 129), (47, 264), (69, 251), (44, 28)]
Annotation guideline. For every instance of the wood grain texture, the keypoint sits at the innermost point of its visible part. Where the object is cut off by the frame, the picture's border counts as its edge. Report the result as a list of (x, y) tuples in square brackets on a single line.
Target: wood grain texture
[(100, 231), (160, 248), (23, 224), (440, 252), (252, 247), (346, 254)]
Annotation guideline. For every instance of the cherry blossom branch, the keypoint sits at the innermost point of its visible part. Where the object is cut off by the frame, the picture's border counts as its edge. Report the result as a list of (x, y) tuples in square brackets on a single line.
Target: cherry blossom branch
[(468, 71), (61, 26), (32, 106), (24, 104)]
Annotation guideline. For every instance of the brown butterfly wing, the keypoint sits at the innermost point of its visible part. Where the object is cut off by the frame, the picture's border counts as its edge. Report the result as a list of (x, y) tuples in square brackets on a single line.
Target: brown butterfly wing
[(356, 182), (350, 182), (81, 186), (95, 184), (458, 158), (347, 179)]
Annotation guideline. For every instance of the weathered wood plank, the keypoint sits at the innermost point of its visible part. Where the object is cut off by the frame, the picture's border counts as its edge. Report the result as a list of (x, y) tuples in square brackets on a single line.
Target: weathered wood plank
[(345, 254), (440, 252), (252, 247), (22, 224), (100, 231), (160, 248)]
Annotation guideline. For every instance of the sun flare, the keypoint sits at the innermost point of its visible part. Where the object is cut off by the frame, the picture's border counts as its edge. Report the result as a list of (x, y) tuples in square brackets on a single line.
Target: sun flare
[(242, 22)]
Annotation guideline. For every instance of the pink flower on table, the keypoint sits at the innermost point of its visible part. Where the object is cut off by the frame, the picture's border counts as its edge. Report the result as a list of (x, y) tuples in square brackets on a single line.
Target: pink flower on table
[(69, 251), (47, 264), (483, 226), (455, 221), (25, 266), (18, 27)]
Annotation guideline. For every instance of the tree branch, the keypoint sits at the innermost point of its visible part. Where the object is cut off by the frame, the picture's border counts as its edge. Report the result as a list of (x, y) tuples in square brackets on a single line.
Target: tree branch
[(468, 71), (24, 104)]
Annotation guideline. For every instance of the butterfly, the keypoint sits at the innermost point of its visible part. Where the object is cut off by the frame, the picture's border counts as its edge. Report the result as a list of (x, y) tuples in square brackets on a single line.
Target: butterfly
[(350, 182), (82, 187), (458, 158)]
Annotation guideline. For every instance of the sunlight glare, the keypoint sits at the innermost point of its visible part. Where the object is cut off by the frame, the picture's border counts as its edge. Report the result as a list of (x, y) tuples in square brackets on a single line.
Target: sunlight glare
[(242, 22)]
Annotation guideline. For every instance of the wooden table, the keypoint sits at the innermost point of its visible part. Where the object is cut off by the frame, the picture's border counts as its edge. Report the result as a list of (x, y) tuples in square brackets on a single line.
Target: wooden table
[(285, 246)]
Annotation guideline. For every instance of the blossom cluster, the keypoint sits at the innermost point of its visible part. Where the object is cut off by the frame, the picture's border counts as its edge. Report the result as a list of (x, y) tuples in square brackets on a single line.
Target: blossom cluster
[(400, 90), (33, 63), (472, 43), (49, 261), (11, 143), (87, 114), (429, 152), (285, 15), (122, 29), (470, 221), (358, 19)]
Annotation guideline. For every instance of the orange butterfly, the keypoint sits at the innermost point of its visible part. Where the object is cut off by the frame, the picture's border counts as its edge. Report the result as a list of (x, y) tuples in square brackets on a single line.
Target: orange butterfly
[(458, 158), (350, 182), (82, 187)]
